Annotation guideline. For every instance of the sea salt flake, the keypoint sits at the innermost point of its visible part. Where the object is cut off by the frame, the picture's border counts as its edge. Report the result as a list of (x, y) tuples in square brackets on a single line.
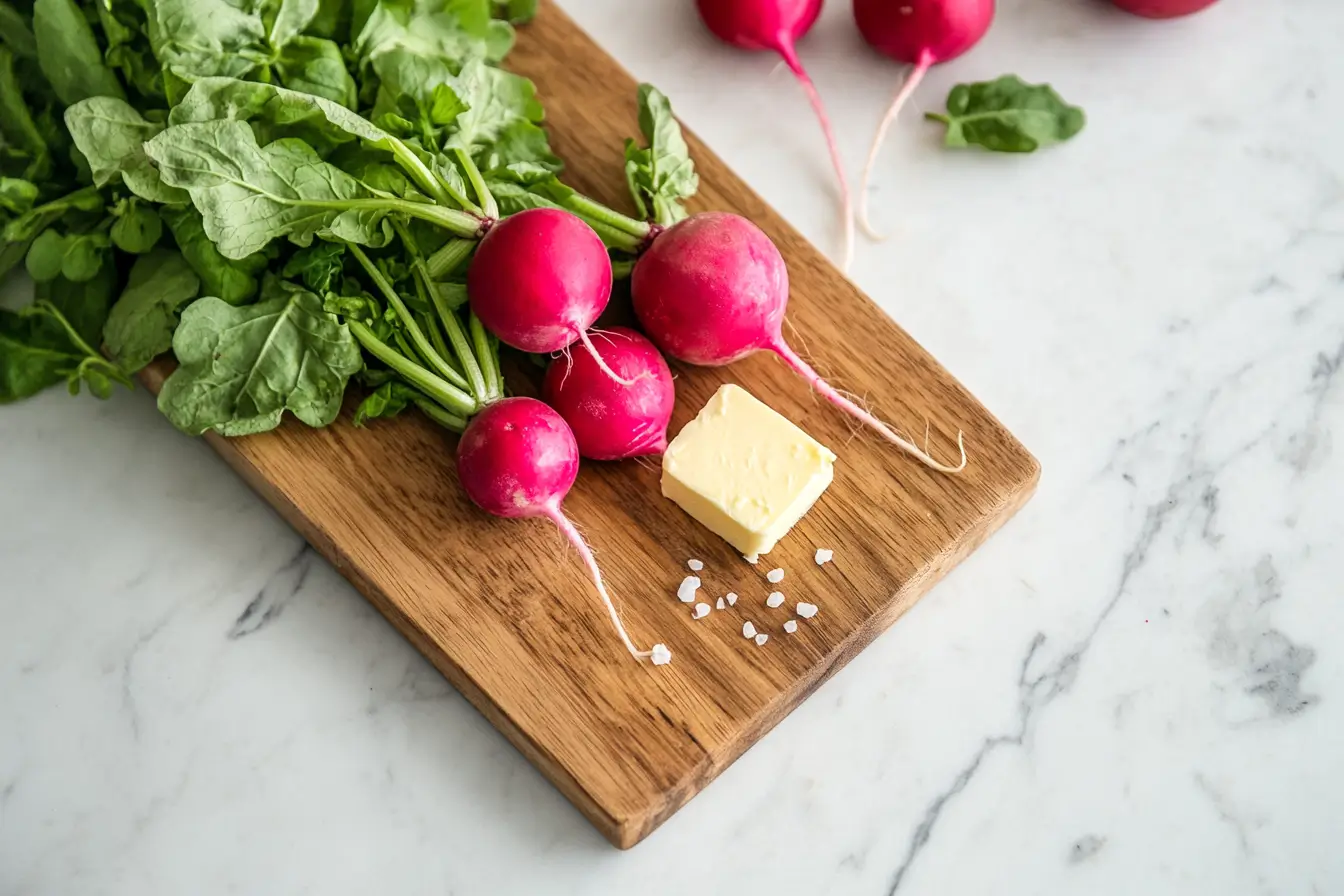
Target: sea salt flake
[(660, 655), (701, 610), (731, 598), (719, 604), (807, 611), (775, 599), (791, 626), (695, 565), (686, 590), (748, 630), (824, 555), (761, 639), (753, 559), (775, 575)]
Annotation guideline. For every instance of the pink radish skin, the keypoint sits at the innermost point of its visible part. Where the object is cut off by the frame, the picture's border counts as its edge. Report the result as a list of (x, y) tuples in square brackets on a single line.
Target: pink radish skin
[(1163, 9), (713, 289), (518, 459), (539, 280), (777, 26), (921, 33), (611, 421)]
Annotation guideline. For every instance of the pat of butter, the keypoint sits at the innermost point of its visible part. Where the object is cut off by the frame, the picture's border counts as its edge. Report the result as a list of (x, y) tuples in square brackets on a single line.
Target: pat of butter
[(745, 472)]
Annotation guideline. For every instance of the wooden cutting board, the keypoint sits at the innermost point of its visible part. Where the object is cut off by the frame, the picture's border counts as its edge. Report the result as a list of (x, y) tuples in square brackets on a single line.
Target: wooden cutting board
[(505, 610)]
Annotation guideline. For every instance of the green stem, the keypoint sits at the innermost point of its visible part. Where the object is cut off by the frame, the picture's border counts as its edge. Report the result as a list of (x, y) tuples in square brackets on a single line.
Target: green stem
[(420, 172), (636, 231), (445, 393), (42, 306), (413, 330), (439, 415), (430, 325), (489, 357), (621, 270), (488, 204), (455, 221), (399, 340), (449, 257)]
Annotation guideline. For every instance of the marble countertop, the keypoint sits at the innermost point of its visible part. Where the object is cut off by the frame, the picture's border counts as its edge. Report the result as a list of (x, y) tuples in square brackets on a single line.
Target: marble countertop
[(1136, 687)]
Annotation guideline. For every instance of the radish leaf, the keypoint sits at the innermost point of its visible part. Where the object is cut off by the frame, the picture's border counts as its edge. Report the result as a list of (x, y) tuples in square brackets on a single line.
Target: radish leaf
[(1008, 115), (111, 135), (141, 324), (662, 175)]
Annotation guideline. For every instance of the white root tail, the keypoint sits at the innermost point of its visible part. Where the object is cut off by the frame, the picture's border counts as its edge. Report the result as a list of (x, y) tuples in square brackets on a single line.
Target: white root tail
[(837, 161), (592, 350), (907, 88), (827, 391), (557, 516)]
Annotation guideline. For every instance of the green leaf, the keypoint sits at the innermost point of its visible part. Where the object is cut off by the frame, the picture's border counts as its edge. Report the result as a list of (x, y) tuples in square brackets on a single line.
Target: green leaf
[(37, 350), (332, 21), (84, 305), (195, 39), (232, 281), (249, 195), (76, 257), (137, 228), (455, 30), (314, 65), (1008, 115), (242, 368), (141, 324), (111, 136), (37, 219), (17, 125), (15, 33), (496, 100), (388, 400), (516, 12), (69, 53), (16, 195), (33, 355), (290, 19), (662, 176), (319, 266)]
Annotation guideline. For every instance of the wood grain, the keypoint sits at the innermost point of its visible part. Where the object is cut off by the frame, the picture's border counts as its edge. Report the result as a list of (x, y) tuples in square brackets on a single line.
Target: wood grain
[(505, 611)]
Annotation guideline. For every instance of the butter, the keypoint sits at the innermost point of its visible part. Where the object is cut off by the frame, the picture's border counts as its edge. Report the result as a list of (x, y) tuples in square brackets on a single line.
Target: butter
[(744, 472)]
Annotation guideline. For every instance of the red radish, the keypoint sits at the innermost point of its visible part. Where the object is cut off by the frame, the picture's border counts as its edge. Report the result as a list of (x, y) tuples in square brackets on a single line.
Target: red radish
[(713, 289), (1162, 9), (611, 421), (539, 279), (777, 26), (518, 458), (921, 33)]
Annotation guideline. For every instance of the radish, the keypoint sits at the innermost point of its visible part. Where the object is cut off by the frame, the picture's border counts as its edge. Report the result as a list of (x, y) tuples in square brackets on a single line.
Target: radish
[(1162, 9), (713, 289), (518, 458), (539, 280), (610, 421), (921, 33), (777, 25)]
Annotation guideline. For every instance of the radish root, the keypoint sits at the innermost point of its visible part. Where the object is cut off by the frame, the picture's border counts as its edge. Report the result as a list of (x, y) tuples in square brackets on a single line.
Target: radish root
[(908, 85), (837, 161), (803, 369), (558, 517), (588, 344)]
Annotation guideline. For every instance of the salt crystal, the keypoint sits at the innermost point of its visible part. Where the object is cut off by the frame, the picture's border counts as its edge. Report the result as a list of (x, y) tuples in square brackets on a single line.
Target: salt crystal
[(761, 639), (775, 575), (748, 630), (731, 598), (695, 565), (660, 655), (791, 626), (807, 611), (824, 555), (686, 590), (775, 599), (719, 604), (753, 559), (701, 610)]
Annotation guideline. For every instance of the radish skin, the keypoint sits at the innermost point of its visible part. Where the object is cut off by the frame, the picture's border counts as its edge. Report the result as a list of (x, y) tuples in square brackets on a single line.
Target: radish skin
[(713, 289), (518, 459), (921, 33), (777, 26), (610, 421), (1163, 9), (539, 280)]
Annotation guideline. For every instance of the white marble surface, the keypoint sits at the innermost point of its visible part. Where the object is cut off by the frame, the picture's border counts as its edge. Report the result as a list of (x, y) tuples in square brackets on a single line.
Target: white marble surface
[(1138, 687)]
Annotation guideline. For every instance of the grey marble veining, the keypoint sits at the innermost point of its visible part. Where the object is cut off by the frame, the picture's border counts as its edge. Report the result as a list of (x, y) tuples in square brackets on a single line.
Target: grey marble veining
[(1137, 687)]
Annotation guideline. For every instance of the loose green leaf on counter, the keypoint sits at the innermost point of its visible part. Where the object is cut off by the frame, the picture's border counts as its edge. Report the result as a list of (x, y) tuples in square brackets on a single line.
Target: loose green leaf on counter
[(1008, 115), (242, 368), (141, 324)]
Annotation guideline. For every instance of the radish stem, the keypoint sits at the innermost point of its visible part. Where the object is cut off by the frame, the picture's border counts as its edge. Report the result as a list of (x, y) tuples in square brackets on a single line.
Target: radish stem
[(558, 517), (449, 257), (803, 369), (907, 88), (487, 353), (795, 65), (445, 393)]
